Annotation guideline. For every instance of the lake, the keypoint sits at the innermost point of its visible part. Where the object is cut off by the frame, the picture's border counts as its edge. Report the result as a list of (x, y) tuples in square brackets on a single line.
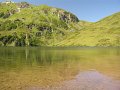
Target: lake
[(58, 68)]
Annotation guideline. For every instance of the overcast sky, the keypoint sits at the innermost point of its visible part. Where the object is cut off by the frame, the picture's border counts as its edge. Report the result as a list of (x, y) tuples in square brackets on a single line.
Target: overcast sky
[(89, 10)]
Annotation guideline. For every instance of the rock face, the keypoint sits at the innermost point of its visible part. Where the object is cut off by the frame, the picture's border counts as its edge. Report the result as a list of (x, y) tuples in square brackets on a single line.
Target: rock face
[(64, 15), (23, 5)]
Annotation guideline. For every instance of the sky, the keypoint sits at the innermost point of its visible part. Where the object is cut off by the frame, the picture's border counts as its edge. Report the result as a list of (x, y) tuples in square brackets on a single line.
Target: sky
[(88, 10)]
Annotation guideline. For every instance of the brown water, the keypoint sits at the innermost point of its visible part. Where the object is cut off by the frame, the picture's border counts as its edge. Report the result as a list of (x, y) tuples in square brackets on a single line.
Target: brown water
[(44, 68)]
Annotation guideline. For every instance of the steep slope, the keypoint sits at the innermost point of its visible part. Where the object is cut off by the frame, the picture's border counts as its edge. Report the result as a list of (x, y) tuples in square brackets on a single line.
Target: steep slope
[(22, 24), (105, 32)]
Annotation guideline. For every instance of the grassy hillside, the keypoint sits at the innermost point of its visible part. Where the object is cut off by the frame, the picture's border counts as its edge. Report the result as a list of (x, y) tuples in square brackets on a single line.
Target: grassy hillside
[(105, 32), (23, 24)]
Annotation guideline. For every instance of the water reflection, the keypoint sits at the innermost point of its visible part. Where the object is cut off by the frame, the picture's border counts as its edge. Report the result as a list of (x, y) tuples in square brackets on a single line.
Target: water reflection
[(23, 67)]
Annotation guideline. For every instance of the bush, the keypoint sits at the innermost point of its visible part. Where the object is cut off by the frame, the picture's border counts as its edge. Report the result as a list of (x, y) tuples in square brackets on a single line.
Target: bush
[(1, 14), (1, 44), (104, 42)]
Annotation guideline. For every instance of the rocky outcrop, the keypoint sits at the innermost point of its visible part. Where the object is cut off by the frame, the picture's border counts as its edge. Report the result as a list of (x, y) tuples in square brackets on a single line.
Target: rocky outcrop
[(64, 15)]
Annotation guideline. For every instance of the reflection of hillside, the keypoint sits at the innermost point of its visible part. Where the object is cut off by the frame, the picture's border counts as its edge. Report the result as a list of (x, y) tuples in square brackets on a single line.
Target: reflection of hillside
[(24, 67), (43, 56)]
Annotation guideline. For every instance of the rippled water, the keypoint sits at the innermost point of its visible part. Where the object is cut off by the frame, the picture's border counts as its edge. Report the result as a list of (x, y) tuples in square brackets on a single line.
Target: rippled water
[(23, 68)]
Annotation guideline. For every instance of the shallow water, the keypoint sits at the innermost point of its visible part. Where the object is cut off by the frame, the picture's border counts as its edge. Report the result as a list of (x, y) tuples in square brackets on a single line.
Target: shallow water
[(43, 68)]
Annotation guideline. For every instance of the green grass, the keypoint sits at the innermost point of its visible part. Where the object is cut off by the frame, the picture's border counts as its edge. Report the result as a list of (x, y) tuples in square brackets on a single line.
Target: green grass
[(105, 32), (49, 26)]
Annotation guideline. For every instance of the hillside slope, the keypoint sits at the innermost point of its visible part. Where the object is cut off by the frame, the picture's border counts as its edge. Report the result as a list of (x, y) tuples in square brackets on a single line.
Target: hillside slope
[(105, 32), (23, 24)]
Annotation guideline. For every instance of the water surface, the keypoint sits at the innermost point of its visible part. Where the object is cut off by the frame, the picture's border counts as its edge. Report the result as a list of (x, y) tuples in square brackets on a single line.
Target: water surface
[(43, 68)]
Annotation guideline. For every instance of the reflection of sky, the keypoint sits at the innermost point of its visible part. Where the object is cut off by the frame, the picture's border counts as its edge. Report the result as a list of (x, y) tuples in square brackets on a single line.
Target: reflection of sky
[(90, 10)]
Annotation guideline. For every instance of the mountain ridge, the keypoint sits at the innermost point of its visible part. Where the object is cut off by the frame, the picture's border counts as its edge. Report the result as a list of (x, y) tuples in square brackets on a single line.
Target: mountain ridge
[(24, 24)]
